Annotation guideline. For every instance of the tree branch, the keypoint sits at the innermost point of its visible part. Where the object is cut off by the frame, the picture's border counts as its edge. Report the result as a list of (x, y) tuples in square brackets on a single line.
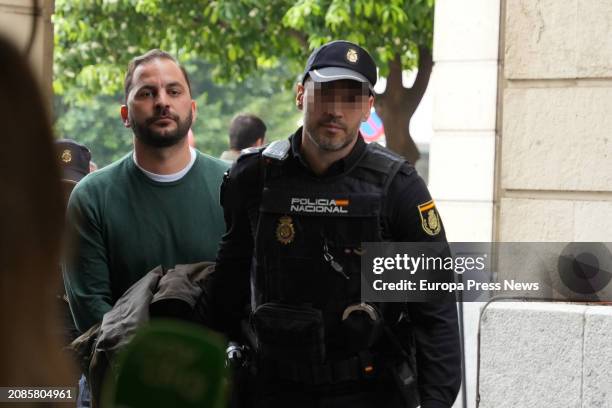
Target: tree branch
[(423, 73), (395, 69), (395, 91)]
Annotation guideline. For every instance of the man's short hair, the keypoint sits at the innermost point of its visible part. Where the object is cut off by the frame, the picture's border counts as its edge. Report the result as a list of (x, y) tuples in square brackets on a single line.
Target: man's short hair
[(245, 130), (148, 57)]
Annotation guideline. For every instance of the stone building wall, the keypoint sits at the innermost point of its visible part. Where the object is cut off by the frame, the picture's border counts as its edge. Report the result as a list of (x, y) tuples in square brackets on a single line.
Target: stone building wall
[(522, 151), (555, 149), (16, 20)]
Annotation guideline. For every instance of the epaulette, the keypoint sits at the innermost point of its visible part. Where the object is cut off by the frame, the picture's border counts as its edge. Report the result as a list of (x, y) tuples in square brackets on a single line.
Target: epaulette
[(406, 167), (381, 150), (277, 150), (380, 159), (249, 151)]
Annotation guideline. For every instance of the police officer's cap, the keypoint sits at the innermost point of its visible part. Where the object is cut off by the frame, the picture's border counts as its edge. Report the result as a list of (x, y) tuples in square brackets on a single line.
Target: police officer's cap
[(338, 60), (73, 158)]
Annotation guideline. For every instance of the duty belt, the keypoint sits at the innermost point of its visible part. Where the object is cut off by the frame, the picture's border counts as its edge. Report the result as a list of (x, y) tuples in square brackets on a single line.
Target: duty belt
[(360, 367)]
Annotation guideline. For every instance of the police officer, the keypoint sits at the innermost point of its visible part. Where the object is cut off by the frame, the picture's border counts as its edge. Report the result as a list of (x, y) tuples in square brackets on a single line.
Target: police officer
[(288, 278)]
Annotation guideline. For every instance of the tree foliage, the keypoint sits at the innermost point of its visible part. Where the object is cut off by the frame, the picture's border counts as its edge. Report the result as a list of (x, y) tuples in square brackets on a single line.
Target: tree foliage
[(95, 39)]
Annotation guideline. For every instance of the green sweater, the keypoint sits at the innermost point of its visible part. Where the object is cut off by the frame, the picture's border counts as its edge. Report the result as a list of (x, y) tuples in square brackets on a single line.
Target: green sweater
[(124, 224)]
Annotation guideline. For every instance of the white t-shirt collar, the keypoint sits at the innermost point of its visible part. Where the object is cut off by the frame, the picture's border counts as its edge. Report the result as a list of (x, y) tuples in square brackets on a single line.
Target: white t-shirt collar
[(168, 178)]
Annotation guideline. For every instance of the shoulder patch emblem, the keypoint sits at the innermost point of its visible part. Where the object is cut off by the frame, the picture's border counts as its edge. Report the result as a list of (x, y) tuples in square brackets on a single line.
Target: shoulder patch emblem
[(430, 220)]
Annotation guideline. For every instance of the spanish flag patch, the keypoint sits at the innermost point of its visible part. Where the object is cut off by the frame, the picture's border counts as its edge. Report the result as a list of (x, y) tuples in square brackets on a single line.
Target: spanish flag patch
[(430, 220)]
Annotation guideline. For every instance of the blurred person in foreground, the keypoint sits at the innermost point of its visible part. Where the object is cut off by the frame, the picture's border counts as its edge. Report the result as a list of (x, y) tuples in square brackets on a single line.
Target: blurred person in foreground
[(245, 131), (31, 229)]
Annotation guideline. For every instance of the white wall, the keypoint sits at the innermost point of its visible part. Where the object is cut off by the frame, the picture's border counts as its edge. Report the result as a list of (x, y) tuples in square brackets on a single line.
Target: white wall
[(464, 116), (462, 153)]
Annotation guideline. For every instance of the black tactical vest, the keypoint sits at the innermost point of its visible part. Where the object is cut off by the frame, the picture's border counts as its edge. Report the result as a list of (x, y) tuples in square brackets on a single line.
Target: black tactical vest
[(309, 233)]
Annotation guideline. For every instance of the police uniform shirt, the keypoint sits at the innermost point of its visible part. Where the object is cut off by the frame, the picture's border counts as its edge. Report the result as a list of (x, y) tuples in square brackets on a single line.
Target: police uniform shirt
[(228, 289)]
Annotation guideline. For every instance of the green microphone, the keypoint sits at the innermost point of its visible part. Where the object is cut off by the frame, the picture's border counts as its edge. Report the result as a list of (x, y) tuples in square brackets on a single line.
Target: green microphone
[(169, 364)]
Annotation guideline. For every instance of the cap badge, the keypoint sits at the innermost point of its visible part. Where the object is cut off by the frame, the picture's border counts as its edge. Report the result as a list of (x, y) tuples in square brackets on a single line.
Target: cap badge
[(352, 56), (66, 156), (284, 230)]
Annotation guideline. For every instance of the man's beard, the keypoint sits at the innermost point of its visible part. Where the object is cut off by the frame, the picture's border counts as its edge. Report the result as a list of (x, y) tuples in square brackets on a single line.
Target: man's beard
[(315, 133), (162, 138)]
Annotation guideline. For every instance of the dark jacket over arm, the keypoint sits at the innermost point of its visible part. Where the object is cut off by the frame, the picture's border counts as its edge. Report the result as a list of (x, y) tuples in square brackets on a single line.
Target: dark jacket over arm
[(227, 289)]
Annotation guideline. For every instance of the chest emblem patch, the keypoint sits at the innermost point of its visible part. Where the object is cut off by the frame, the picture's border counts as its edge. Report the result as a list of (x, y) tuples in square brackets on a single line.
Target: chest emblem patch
[(430, 220), (285, 232)]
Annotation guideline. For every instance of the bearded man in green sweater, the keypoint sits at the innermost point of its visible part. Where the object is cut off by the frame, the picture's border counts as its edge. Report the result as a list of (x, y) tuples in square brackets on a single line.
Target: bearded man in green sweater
[(159, 205)]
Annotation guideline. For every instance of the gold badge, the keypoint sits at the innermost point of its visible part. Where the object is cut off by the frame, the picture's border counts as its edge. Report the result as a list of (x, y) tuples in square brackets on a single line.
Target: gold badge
[(430, 220), (352, 56), (66, 156), (285, 231)]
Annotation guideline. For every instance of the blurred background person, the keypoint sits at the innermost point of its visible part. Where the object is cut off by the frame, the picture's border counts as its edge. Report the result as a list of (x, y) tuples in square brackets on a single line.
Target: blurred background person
[(75, 163), (31, 228), (245, 131)]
